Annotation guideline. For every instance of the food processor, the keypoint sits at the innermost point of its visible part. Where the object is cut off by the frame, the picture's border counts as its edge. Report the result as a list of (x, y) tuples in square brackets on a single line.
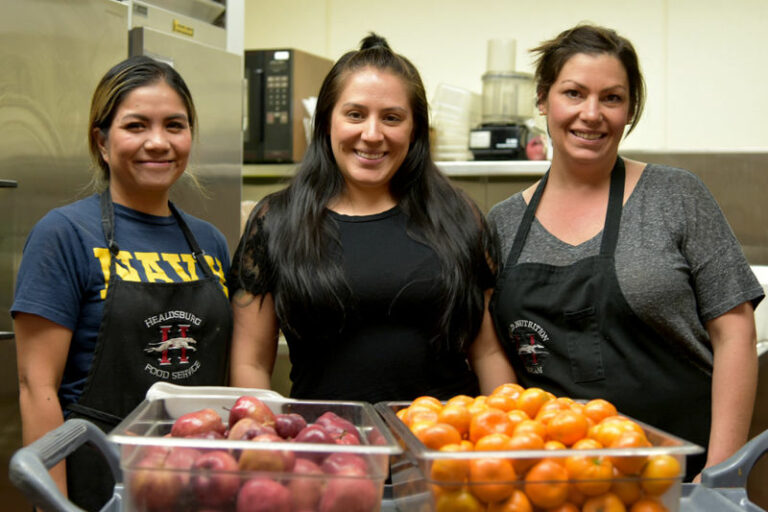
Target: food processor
[(507, 107)]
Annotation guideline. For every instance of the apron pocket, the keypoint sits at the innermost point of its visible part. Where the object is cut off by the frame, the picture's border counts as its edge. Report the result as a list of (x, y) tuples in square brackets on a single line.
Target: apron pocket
[(584, 346)]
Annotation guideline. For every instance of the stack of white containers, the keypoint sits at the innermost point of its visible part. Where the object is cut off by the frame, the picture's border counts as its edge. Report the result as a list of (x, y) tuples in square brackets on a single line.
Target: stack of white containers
[(455, 111)]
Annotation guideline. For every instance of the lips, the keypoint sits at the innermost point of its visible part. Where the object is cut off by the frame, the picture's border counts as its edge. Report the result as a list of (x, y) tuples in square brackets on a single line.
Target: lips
[(369, 156), (588, 135)]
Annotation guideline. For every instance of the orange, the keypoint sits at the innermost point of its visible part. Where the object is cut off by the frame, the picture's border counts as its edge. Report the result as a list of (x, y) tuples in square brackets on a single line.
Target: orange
[(609, 429), (464, 400), (554, 445), (607, 502), (419, 426), (487, 422), (401, 414), (457, 416), (648, 505), (549, 409), (659, 474), (438, 435), (493, 442), (458, 501), (503, 402), (531, 400), (450, 470), (599, 409), (531, 426), (491, 479), (626, 488), (516, 416), (630, 465), (567, 427), (517, 502), (589, 474), (525, 441), (546, 484), (565, 507), (586, 444), (428, 401), (478, 404), (420, 415), (510, 388)]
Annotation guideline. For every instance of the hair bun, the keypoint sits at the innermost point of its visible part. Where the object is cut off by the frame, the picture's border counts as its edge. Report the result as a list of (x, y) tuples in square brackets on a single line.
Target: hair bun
[(374, 40)]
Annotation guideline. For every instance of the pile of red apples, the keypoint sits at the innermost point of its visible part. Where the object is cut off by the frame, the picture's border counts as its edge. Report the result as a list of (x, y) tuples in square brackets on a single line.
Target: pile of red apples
[(255, 480)]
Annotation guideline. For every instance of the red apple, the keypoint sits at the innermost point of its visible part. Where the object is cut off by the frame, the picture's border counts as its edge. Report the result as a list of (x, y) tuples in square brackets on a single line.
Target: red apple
[(157, 482), (314, 434), (346, 463), (198, 422), (305, 485), (215, 480), (352, 493), (263, 495), (251, 407), (248, 428), (338, 427), (289, 425), (266, 459)]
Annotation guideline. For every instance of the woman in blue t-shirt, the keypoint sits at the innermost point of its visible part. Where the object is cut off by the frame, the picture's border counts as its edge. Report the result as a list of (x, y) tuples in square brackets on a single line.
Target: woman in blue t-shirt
[(121, 289), (370, 262)]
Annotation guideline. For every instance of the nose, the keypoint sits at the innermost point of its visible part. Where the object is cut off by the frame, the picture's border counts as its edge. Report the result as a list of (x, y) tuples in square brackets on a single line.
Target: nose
[(372, 130), (591, 109), (157, 140)]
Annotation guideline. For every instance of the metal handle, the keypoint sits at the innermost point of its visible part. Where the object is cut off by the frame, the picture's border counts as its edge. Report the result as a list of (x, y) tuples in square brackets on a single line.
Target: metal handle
[(9, 183), (734, 471), (29, 466)]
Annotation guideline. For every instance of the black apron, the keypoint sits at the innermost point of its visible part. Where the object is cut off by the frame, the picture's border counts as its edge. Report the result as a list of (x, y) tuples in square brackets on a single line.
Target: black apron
[(569, 330), (176, 332)]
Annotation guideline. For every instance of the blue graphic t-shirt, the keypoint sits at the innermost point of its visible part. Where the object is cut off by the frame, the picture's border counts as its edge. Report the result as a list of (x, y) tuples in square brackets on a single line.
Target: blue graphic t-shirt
[(65, 260)]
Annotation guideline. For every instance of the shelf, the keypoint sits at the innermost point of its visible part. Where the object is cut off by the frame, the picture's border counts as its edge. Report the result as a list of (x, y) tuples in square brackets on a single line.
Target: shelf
[(513, 168)]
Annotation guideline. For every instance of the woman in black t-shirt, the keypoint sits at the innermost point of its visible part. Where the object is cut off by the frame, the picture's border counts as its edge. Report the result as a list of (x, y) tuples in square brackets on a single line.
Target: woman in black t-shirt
[(372, 264)]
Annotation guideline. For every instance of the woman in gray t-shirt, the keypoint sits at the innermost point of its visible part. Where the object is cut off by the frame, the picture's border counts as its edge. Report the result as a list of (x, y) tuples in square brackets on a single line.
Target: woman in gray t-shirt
[(620, 279)]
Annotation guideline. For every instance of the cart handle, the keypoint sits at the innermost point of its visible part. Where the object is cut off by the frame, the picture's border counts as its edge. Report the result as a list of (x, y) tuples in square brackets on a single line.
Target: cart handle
[(29, 466), (734, 471)]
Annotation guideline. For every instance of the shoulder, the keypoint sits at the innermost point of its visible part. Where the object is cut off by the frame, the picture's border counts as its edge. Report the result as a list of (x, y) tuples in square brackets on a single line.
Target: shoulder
[(667, 180), (507, 211), (79, 216)]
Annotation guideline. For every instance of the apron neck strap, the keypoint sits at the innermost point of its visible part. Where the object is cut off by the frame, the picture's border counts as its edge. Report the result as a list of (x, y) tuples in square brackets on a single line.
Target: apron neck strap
[(108, 228), (612, 216)]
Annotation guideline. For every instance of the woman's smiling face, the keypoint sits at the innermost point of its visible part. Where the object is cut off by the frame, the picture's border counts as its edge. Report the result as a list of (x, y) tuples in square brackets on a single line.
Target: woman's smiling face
[(371, 128), (148, 144), (587, 109)]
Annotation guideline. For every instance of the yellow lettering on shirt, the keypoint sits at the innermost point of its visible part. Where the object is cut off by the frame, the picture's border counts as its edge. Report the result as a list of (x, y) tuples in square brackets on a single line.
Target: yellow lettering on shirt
[(183, 265), (174, 260), (217, 269), (153, 271), (124, 269)]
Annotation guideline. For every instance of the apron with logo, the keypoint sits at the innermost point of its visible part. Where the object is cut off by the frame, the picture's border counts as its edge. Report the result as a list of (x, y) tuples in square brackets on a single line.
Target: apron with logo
[(175, 332), (569, 330)]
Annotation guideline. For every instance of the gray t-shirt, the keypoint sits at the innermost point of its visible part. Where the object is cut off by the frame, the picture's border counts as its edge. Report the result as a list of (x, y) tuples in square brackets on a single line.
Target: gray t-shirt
[(678, 262)]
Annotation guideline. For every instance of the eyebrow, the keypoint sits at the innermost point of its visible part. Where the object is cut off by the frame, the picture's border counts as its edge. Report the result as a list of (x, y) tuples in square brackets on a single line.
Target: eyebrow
[(141, 117), (582, 86), (351, 104)]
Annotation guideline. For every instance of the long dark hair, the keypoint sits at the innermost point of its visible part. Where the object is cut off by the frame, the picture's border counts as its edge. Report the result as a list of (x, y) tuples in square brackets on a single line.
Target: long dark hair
[(303, 269)]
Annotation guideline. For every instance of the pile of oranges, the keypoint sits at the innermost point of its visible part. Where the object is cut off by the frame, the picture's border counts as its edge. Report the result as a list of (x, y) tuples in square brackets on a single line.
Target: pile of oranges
[(517, 418)]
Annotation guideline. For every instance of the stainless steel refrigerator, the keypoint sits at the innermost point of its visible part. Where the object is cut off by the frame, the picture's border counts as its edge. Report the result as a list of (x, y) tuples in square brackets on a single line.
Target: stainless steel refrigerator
[(52, 53)]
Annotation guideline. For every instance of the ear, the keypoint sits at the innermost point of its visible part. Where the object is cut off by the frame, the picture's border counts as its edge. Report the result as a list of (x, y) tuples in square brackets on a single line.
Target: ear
[(541, 104), (101, 142)]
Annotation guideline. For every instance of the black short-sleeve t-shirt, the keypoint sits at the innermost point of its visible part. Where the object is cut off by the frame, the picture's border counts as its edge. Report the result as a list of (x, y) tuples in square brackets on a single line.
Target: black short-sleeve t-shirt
[(383, 352)]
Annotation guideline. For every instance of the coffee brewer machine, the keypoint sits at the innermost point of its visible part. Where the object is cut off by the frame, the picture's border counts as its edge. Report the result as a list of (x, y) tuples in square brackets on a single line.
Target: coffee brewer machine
[(507, 107)]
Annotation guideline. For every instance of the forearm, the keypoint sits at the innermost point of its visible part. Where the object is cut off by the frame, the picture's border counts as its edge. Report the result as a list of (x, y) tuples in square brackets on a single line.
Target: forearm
[(734, 381), (41, 413), (487, 357), (250, 376)]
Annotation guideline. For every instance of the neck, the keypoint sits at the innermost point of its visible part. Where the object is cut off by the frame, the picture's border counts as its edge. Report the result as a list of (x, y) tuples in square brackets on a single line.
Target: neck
[(362, 202), (150, 204), (572, 173)]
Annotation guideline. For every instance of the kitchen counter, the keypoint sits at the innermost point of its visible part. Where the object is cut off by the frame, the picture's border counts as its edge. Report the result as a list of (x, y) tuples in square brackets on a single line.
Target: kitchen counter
[(515, 168), (486, 182)]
